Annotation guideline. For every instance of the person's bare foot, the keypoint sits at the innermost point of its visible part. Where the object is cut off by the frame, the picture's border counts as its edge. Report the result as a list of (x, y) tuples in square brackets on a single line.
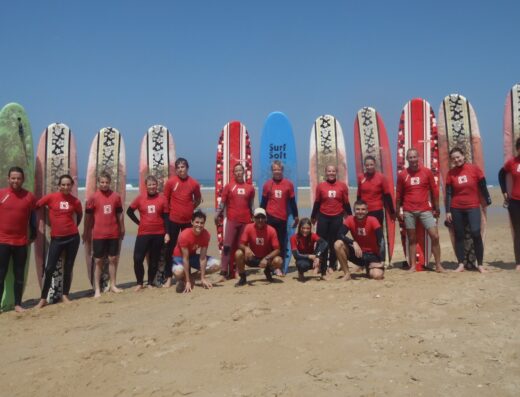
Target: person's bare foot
[(330, 271), (482, 269), (316, 270), (460, 268), (116, 290), (518, 268), (222, 279), (278, 272), (19, 309), (167, 283), (355, 269), (65, 299), (41, 303), (151, 286), (440, 269), (138, 288), (412, 269), (97, 294), (346, 277)]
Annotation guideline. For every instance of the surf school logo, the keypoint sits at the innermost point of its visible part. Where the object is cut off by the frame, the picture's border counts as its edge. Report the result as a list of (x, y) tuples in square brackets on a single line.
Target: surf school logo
[(107, 209), (277, 152), (332, 194), (414, 181), (151, 209), (278, 193), (462, 179), (361, 231), (260, 241), (241, 191), (64, 205)]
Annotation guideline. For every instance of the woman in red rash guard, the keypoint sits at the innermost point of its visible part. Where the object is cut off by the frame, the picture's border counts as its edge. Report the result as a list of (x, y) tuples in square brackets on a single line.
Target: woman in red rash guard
[(152, 233), (65, 213), (306, 248), (237, 200), (374, 190), (330, 204), (464, 182), (512, 199)]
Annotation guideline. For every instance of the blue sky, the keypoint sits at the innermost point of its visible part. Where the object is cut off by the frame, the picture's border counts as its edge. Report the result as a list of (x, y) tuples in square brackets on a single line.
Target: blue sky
[(195, 65)]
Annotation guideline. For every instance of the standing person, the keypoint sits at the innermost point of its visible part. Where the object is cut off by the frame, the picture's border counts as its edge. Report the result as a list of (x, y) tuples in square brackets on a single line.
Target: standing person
[(367, 249), (259, 247), (307, 248), (16, 213), (330, 205), (104, 219), (512, 200), (277, 197), (185, 255), (416, 189), (237, 200), (373, 188), (464, 182), (65, 213), (152, 233), (182, 193)]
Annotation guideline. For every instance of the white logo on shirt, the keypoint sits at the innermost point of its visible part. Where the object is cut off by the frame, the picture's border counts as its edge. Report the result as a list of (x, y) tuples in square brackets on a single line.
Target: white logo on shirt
[(518, 168), (107, 209), (332, 194), (278, 193), (64, 205), (151, 209), (463, 179), (259, 241), (361, 231), (241, 191), (416, 180)]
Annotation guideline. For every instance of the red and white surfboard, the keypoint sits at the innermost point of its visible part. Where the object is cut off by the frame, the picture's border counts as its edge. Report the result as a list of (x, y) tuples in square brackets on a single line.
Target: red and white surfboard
[(233, 147), (418, 129)]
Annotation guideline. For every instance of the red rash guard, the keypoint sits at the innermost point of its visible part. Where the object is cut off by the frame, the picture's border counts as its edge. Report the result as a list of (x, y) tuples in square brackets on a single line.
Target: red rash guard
[(414, 187), (189, 240), (105, 208), (371, 189), (364, 232), (512, 167), (464, 182), (61, 210), (304, 245), (332, 197), (15, 211), (238, 198), (181, 195), (151, 210), (278, 194), (261, 241)]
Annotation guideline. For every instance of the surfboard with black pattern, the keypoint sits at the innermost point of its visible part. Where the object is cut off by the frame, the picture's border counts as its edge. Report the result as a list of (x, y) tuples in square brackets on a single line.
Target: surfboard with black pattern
[(458, 127), (56, 155), (157, 159), (371, 139), (234, 146), (107, 153), (16, 150), (418, 129)]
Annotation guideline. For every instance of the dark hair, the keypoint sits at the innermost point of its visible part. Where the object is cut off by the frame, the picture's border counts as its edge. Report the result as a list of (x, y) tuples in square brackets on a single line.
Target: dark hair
[(15, 169), (360, 202), (66, 176), (278, 163), (455, 150), (303, 222), (104, 174), (181, 160), (239, 164), (198, 214), (517, 145), (412, 149), (369, 157), (150, 178)]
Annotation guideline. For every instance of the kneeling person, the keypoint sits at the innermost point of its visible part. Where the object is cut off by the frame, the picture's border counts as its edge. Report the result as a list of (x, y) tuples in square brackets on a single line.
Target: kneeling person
[(258, 247), (185, 254), (367, 249)]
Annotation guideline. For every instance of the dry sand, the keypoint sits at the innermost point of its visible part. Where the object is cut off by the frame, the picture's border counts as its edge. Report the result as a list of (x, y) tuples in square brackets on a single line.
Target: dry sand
[(412, 334)]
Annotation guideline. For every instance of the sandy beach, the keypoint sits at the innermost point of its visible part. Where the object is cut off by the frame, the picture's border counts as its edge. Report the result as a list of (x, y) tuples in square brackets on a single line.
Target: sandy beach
[(423, 334)]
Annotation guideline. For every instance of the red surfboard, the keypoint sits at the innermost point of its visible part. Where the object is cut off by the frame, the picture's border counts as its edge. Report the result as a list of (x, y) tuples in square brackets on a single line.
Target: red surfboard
[(233, 147), (371, 139), (418, 129)]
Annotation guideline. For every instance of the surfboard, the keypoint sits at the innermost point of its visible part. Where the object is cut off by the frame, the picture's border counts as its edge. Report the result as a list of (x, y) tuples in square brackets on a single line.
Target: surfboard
[(233, 147), (16, 150), (158, 159), (371, 139), (327, 147), (277, 143), (107, 153), (56, 155), (418, 129), (458, 127)]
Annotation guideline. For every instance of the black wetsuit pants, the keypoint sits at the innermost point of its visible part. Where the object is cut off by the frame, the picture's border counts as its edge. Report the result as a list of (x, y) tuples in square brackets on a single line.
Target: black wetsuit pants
[(19, 256)]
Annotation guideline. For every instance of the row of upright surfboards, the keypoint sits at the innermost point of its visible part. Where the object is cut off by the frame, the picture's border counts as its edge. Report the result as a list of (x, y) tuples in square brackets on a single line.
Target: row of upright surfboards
[(57, 154)]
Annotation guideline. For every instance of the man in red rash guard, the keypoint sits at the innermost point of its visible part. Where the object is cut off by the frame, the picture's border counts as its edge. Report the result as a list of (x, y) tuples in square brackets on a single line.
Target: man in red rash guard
[(183, 195), (237, 200), (185, 255), (415, 188), (367, 249), (277, 197), (104, 215), (259, 247), (16, 212)]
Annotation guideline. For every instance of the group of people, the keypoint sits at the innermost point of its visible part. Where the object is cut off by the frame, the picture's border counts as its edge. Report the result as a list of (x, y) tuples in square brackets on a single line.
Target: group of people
[(252, 237)]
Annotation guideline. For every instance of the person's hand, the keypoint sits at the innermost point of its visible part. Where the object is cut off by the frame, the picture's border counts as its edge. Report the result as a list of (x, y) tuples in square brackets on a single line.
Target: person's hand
[(166, 238), (295, 223), (312, 257), (313, 221), (449, 218), (436, 213), (357, 250), (187, 287), (206, 284), (316, 264), (264, 262)]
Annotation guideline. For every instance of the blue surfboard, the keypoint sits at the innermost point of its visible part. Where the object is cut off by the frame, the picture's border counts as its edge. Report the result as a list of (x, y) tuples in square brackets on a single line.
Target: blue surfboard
[(277, 143)]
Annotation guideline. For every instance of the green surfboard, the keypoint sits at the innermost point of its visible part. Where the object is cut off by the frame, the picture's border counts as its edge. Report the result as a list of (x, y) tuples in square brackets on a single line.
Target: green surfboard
[(16, 149)]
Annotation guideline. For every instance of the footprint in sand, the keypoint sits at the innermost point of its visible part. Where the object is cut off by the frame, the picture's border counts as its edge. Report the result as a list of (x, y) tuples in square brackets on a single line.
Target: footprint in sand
[(251, 310)]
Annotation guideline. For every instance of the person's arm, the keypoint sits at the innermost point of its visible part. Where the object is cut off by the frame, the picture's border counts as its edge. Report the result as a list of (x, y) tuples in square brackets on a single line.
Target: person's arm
[(203, 264), (120, 222), (449, 196), (398, 195), (482, 184), (381, 242), (434, 190), (294, 211), (315, 210), (32, 226), (502, 181), (166, 221), (263, 202), (186, 264), (131, 214), (79, 212), (347, 208), (269, 257), (389, 204), (220, 211)]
